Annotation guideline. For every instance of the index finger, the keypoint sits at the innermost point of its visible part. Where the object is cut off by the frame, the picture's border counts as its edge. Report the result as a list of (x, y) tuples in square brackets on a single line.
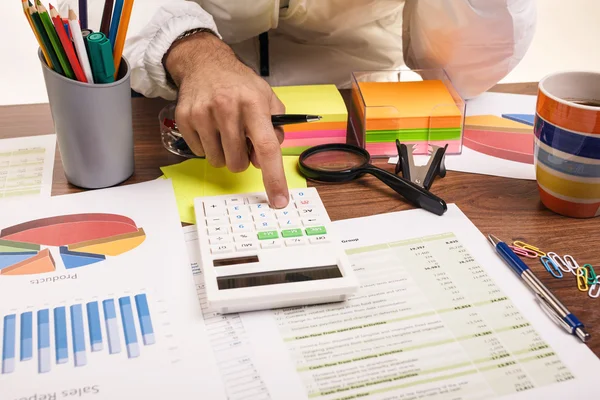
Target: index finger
[(265, 143)]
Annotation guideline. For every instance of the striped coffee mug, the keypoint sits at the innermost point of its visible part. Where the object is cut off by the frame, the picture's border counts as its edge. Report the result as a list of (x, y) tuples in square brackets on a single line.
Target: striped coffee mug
[(567, 143)]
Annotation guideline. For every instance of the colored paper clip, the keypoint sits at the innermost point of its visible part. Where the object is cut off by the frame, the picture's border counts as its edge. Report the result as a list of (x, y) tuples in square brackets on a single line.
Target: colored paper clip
[(523, 252), (562, 264), (551, 267), (592, 277), (582, 279), (570, 261), (526, 246), (594, 291)]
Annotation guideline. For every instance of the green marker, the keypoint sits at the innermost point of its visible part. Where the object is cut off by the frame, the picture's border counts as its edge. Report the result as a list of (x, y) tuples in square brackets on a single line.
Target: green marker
[(101, 57)]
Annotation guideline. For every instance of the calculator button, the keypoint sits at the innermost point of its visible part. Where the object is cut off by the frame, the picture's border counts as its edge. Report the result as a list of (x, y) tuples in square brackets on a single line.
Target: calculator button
[(289, 223), (239, 209), (308, 212), (214, 209), (218, 230), (222, 248), (295, 242), (319, 239), (312, 221), (270, 244), (316, 230), (257, 199), (288, 233), (264, 215), (259, 207), (234, 201), (266, 225), (301, 195), (305, 203), (268, 235), (216, 221), (239, 228), (219, 239), (244, 237), (246, 246), (237, 218), (286, 214)]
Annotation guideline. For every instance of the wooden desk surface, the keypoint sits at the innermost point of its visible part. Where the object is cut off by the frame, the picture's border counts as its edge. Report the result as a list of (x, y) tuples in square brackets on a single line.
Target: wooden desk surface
[(509, 208)]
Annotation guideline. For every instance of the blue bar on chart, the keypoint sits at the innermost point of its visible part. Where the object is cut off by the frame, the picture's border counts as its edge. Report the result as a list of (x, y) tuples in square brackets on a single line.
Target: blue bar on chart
[(112, 326), (78, 334), (133, 348), (43, 325), (93, 314), (60, 335), (143, 311), (26, 336), (9, 343)]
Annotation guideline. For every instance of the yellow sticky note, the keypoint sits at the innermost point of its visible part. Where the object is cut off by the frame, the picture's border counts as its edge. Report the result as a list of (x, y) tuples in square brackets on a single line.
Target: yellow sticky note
[(323, 100), (195, 178)]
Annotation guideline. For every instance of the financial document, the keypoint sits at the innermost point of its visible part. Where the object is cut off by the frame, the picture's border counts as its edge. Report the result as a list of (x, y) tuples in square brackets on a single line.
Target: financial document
[(438, 316), (26, 166), (232, 348)]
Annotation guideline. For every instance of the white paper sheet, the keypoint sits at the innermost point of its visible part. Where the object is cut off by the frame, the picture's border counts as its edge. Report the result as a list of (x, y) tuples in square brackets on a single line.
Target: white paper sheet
[(474, 162), (438, 316), (26, 166), (171, 361), (228, 338)]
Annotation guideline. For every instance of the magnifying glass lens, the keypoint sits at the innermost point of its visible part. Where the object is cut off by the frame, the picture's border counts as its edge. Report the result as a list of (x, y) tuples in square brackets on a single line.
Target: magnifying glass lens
[(334, 161)]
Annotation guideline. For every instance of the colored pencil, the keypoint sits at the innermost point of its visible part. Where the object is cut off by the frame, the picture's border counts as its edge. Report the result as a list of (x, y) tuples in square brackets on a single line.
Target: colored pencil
[(39, 26), (80, 46), (108, 9), (122, 34), (58, 48), (25, 5), (115, 21), (83, 14), (67, 45)]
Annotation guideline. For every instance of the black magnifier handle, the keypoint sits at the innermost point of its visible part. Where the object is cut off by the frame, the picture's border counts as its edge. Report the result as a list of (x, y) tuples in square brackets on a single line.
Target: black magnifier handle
[(410, 191)]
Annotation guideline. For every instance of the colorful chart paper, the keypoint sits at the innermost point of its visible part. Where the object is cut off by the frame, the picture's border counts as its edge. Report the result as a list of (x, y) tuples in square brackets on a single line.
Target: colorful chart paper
[(84, 239)]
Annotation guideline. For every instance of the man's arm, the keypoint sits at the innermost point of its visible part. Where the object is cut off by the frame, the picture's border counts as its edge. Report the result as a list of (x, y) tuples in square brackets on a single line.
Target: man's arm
[(477, 42)]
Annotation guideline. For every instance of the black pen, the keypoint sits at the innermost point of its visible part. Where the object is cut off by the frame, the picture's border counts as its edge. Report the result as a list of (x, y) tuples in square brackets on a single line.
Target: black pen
[(288, 119), (276, 120)]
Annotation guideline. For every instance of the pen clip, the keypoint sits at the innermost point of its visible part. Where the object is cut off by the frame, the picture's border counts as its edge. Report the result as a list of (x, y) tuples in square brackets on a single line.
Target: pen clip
[(552, 314)]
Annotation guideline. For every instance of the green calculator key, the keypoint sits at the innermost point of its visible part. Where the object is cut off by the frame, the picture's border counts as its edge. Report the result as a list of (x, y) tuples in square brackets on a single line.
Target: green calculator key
[(316, 230), (289, 233), (267, 235)]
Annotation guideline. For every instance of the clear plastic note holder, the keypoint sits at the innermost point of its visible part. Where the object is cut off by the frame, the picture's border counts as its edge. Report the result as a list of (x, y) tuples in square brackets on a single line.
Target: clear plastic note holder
[(415, 119)]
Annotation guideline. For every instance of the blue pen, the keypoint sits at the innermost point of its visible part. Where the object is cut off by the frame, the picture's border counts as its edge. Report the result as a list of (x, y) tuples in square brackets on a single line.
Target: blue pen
[(114, 22), (550, 304)]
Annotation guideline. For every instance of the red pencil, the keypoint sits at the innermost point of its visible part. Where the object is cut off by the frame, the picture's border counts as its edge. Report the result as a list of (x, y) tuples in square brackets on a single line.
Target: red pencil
[(67, 44)]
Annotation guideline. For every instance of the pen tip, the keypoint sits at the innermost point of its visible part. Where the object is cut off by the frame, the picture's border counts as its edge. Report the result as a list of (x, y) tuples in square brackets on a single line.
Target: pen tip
[(493, 240)]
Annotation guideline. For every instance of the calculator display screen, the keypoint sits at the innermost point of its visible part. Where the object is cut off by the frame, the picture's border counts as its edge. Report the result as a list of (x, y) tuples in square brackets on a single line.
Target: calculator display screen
[(278, 277)]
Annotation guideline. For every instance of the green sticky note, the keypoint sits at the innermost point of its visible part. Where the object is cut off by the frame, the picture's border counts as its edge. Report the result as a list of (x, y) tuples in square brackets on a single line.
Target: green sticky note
[(316, 230), (323, 100), (289, 233), (196, 178), (268, 235)]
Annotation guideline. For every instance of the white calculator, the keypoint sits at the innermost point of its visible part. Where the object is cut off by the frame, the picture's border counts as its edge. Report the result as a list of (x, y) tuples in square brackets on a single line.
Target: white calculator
[(255, 257)]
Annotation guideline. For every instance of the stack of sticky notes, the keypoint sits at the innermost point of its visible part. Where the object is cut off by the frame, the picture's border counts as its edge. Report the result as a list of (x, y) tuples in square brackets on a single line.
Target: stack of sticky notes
[(419, 113), (323, 100)]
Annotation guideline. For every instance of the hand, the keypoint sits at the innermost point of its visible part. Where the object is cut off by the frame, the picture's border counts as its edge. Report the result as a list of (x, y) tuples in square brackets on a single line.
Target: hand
[(224, 111)]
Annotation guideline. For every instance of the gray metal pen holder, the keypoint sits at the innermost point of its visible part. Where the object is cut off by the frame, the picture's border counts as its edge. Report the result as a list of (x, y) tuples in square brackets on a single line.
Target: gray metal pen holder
[(93, 126)]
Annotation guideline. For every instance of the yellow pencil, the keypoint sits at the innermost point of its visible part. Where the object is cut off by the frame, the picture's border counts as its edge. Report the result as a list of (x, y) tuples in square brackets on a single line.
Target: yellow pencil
[(121, 34), (25, 4)]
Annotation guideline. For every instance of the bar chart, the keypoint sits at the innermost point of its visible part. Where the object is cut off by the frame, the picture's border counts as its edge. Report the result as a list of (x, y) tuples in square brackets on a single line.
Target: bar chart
[(77, 330)]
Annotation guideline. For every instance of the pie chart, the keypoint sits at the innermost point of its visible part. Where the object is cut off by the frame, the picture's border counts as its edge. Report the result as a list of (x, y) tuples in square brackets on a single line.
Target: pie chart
[(82, 239)]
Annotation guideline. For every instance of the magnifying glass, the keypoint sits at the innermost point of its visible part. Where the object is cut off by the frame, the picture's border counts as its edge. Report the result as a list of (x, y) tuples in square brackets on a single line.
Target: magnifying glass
[(345, 162)]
